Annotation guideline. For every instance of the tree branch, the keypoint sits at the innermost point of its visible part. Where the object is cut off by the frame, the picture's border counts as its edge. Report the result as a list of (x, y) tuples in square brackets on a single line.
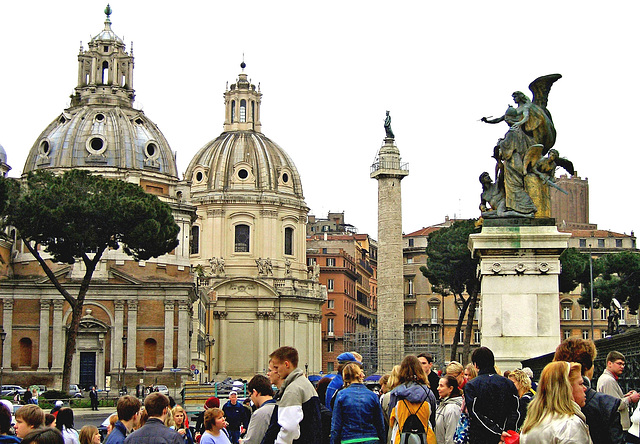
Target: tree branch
[(52, 277)]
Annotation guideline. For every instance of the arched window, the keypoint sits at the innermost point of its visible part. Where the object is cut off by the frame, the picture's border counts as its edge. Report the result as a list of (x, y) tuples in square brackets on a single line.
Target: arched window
[(26, 349), (253, 111), (233, 110), (195, 240), (242, 239), (243, 110), (105, 72), (288, 240), (149, 353)]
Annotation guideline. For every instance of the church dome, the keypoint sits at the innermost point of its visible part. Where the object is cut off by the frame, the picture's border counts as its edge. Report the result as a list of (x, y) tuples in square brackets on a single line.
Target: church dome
[(3, 155), (101, 129), (102, 136), (242, 159)]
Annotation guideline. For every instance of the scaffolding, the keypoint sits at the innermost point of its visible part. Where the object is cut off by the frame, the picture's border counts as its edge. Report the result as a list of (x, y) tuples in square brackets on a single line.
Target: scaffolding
[(416, 341)]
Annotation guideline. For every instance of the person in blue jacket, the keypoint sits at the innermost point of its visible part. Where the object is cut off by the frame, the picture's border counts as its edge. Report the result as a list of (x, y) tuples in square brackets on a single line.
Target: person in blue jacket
[(237, 416), (337, 382)]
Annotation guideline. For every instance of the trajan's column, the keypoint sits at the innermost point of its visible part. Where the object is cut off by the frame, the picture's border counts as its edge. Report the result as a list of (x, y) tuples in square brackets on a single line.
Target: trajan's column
[(389, 172)]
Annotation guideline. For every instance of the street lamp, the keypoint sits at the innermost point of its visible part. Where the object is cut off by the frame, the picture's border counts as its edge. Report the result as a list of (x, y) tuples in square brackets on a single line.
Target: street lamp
[(3, 336), (209, 342), (124, 368)]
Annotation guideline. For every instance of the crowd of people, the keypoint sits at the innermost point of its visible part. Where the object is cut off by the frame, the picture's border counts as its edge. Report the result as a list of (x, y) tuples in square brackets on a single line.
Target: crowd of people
[(474, 404)]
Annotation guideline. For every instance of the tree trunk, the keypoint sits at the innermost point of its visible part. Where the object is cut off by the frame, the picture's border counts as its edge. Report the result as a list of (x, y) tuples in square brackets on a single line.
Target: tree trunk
[(454, 343), (468, 331)]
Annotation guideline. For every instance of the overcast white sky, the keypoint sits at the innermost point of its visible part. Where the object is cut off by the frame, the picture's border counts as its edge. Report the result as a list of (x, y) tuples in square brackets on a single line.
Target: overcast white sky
[(329, 70)]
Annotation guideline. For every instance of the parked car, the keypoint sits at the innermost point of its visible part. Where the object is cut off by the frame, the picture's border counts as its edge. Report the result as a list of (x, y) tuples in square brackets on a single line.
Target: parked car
[(10, 390), (75, 391), (161, 389)]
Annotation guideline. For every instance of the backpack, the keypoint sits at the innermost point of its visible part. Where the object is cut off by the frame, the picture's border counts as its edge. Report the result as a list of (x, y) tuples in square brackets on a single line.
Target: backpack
[(413, 430)]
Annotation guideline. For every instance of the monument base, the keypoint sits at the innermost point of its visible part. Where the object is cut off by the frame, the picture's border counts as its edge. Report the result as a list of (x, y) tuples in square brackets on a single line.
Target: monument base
[(520, 304)]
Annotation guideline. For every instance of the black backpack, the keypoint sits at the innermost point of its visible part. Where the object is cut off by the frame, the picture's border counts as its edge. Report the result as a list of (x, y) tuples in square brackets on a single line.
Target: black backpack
[(413, 431)]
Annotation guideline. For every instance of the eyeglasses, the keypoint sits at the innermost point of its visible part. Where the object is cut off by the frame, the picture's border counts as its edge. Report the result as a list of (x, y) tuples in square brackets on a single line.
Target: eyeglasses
[(620, 363)]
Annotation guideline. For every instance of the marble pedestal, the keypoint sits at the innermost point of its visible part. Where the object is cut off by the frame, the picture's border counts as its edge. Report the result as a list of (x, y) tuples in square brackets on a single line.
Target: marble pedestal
[(519, 267)]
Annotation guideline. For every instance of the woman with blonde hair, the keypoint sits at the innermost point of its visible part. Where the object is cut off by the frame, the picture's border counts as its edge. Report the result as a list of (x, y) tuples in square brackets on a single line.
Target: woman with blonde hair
[(89, 435), (392, 382), (179, 416), (470, 372), (357, 415), (456, 370), (554, 415), (523, 384)]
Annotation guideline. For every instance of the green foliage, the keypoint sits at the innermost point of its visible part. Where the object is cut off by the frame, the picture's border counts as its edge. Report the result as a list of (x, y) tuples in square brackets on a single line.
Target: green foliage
[(618, 276), (575, 270), (78, 213), (450, 267), (55, 394)]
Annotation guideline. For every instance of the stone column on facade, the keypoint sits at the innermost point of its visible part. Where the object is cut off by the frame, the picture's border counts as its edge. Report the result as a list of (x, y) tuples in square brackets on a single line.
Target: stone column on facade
[(168, 334), (43, 347), (7, 325), (389, 172), (183, 335), (272, 327), (519, 268), (263, 345), (100, 363), (222, 355), (117, 332), (315, 333), (58, 348), (132, 334), (290, 319), (92, 76)]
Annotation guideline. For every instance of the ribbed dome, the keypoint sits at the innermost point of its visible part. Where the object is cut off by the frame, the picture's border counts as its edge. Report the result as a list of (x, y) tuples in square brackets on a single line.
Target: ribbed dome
[(102, 136), (243, 161), (3, 154)]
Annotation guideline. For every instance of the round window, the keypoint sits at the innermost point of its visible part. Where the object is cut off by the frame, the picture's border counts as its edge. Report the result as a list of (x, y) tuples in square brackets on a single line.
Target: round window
[(96, 144), (45, 147), (199, 176), (99, 117), (243, 174), (285, 177), (151, 149)]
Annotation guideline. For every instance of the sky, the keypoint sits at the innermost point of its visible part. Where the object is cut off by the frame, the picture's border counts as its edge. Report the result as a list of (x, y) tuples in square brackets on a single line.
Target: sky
[(329, 70)]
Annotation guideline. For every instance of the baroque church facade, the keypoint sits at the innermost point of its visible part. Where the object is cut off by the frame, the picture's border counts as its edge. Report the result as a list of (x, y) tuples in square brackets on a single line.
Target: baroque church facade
[(235, 288)]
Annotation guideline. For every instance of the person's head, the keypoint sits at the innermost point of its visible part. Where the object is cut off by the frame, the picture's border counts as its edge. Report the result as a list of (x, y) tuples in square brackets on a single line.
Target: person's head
[(89, 435), (144, 416), (214, 419), (485, 179), (258, 387), (346, 358), (426, 361), (456, 370), (274, 377), (28, 417), (483, 359), (233, 397), (470, 372), (321, 388), (43, 435), (49, 420), (520, 97), (411, 371), (555, 394), (64, 419), (284, 360), (383, 383), (5, 419), (521, 381), (615, 362), (352, 373), (582, 351), (448, 386), (127, 407), (178, 416), (211, 403), (112, 422), (393, 378), (58, 405), (156, 405)]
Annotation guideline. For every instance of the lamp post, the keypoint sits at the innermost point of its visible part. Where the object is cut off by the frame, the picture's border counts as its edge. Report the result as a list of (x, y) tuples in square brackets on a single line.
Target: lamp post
[(3, 336), (209, 342), (591, 289), (124, 367)]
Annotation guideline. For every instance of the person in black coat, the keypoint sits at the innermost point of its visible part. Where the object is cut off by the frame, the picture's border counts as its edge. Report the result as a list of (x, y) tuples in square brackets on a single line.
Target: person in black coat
[(600, 410), (93, 395)]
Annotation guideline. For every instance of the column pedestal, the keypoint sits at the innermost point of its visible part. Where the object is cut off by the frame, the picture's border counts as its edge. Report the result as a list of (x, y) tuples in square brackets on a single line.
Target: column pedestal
[(519, 268)]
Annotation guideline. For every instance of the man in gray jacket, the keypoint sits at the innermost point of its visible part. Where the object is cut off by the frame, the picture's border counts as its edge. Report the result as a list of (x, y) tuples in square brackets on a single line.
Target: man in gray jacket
[(608, 383), (262, 396), (154, 431)]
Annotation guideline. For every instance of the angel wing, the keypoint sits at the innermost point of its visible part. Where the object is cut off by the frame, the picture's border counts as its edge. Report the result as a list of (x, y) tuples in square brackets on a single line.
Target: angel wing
[(534, 153), (566, 164), (540, 88)]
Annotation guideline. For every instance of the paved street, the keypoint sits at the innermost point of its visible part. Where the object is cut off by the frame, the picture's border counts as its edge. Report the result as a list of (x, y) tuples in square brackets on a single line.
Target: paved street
[(83, 417)]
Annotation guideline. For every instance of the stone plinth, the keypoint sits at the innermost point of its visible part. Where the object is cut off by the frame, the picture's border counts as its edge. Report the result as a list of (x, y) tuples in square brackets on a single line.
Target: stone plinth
[(520, 309)]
